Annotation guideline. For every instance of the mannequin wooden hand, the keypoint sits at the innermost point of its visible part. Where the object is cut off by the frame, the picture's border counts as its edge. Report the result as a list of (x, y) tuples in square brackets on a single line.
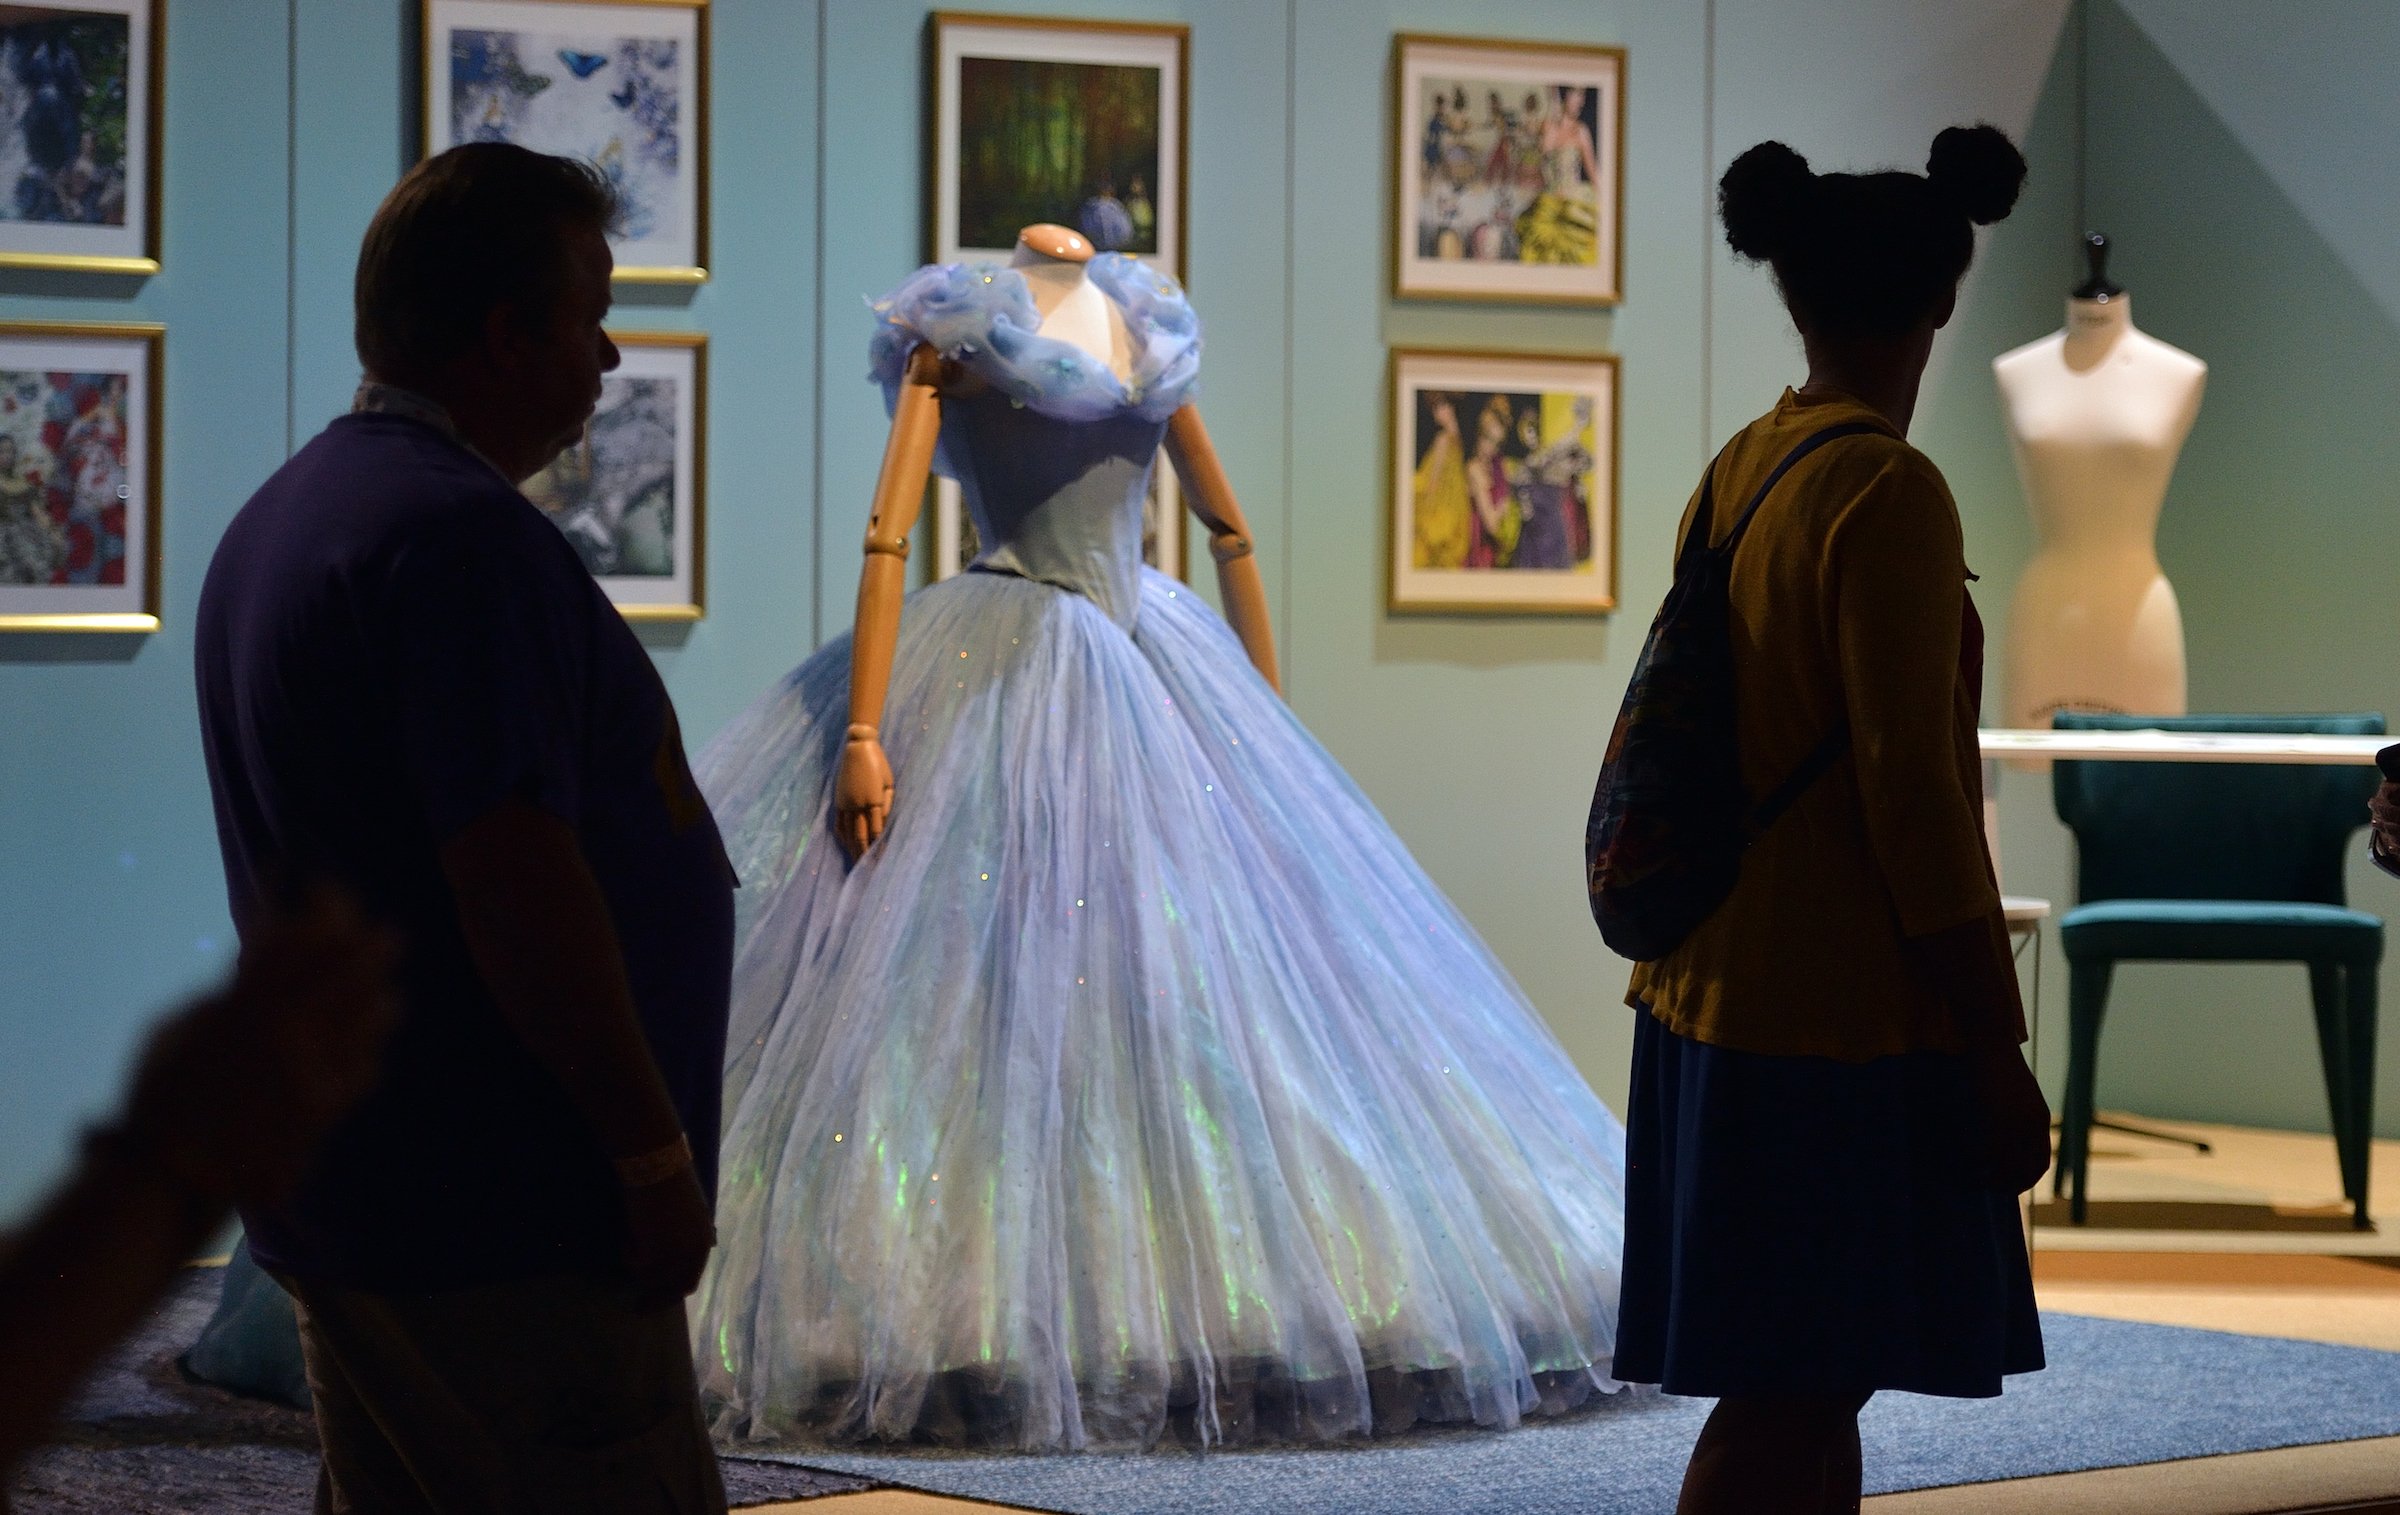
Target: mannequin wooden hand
[(862, 782), (862, 792)]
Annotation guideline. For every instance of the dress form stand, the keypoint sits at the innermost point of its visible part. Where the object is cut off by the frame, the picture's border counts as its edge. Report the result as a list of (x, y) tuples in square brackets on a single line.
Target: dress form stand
[(2097, 414), (1075, 311)]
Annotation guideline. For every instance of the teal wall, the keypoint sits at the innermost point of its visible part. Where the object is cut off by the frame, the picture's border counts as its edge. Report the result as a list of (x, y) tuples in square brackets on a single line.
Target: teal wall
[(287, 120), (107, 858), (1478, 737)]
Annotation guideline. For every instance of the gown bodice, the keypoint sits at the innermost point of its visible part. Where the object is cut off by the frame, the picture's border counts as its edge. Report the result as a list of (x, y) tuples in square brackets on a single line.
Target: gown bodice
[(1052, 450)]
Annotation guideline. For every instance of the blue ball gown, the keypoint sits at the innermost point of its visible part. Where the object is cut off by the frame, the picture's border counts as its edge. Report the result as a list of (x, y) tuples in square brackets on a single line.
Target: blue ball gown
[(1136, 1084)]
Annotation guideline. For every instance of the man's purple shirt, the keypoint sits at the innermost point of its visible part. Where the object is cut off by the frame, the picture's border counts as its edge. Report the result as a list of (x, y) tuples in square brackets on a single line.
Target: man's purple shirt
[(392, 643)]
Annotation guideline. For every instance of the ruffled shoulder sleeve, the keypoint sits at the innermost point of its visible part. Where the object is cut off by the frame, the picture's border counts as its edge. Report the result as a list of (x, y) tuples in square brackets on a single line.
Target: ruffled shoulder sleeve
[(982, 317)]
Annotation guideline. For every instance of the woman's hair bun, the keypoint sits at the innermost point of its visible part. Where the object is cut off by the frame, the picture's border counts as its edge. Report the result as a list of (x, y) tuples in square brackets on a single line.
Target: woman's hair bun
[(1977, 169), (1762, 198)]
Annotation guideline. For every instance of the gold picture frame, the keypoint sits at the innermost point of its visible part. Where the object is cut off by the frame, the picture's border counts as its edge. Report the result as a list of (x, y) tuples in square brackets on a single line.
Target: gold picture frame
[(648, 434), (64, 526), (675, 256), (80, 239), (1447, 549), (1472, 192), (956, 231)]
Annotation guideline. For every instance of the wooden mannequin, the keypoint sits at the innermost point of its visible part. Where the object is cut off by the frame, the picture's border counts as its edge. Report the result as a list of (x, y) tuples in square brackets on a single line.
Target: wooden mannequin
[(1074, 311), (2097, 414)]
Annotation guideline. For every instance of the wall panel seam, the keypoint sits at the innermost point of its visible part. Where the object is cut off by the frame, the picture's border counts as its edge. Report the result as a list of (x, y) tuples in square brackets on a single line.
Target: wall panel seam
[(291, 226), (1291, 254), (2083, 115), (817, 323), (1708, 221)]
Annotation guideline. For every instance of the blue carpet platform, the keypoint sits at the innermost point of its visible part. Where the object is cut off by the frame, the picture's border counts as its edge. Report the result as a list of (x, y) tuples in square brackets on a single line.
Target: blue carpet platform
[(2116, 1394)]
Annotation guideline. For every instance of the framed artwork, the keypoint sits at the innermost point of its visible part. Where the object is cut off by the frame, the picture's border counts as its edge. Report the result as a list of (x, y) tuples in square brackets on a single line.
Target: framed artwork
[(79, 476), (1504, 482), (1509, 165), (621, 84), (81, 99), (954, 544), (1083, 123), (629, 495)]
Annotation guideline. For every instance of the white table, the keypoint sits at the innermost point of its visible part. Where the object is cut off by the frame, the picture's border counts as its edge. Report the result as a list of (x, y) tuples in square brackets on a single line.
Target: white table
[(2155, 746), (2182, 746)]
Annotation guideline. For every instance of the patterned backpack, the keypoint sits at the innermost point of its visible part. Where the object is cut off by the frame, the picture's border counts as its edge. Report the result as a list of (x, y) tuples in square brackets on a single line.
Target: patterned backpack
[(1671, 816)]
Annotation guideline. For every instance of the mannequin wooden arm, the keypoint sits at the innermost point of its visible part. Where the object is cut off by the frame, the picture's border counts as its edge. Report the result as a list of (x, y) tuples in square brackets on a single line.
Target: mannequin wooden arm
[(1211, 499), (863, 781)]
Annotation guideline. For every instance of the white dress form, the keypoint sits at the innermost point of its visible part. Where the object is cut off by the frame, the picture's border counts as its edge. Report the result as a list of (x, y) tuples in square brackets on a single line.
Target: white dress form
[(2096, 415)]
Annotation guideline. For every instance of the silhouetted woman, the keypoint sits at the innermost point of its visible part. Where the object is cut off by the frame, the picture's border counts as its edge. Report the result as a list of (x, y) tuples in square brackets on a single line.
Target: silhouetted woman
[(1830, 1118)]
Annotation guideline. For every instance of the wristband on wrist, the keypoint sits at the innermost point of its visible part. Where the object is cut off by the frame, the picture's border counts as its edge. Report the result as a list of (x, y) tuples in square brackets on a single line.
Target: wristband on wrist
[(656, 1166)]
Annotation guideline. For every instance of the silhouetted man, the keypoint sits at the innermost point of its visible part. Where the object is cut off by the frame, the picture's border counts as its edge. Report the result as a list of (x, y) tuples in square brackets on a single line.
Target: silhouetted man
[(410, 685)]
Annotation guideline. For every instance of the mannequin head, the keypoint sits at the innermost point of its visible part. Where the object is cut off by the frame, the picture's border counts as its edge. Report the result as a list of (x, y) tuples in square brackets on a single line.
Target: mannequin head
[(1869, 256), (1060, 244)]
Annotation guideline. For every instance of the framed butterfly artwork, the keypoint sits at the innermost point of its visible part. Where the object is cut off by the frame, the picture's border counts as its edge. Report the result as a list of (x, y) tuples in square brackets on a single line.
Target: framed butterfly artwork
[(621, 84), (81, 95)]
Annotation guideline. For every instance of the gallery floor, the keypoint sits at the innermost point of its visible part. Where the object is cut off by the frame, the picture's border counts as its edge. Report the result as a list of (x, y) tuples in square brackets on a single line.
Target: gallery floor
[(2249, 1238), (2246, 1240)]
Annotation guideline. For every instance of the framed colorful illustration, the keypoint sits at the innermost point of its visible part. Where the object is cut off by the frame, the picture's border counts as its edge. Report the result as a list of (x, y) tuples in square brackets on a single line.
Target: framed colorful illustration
[(952, 543), (1082, 123), (1509, 165), (81, 100), (622, 84), (629, 496), (79, 476), (1504, 482)]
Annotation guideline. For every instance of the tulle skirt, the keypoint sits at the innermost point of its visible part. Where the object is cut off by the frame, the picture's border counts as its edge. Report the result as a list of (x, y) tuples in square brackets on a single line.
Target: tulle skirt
[(1137, 1084)]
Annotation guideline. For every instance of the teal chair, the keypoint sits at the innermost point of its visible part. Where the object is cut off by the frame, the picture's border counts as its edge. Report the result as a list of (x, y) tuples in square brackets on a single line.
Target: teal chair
[(2221, 862)]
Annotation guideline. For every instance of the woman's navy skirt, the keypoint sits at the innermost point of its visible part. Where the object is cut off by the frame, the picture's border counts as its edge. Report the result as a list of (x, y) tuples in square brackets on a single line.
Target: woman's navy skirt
[(1798, 1225)]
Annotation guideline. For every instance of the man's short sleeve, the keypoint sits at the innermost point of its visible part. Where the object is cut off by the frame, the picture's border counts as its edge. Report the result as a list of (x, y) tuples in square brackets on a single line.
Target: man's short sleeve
[(487, 675)]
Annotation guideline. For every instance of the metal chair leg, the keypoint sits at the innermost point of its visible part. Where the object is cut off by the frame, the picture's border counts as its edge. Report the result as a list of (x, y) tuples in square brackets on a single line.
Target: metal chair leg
[(2328, 995), (2360, 1010), (2087, 1000)]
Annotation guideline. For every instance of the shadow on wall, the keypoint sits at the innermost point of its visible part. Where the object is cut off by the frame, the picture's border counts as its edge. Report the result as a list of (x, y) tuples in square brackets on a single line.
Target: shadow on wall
[(71, 646), (2284, 517), (2016, 292), (2285, 514)]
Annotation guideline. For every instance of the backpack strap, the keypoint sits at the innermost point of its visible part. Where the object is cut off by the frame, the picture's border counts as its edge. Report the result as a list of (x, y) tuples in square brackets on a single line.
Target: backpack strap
[(1809, 444), (1834, 743), (1824, 755)]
